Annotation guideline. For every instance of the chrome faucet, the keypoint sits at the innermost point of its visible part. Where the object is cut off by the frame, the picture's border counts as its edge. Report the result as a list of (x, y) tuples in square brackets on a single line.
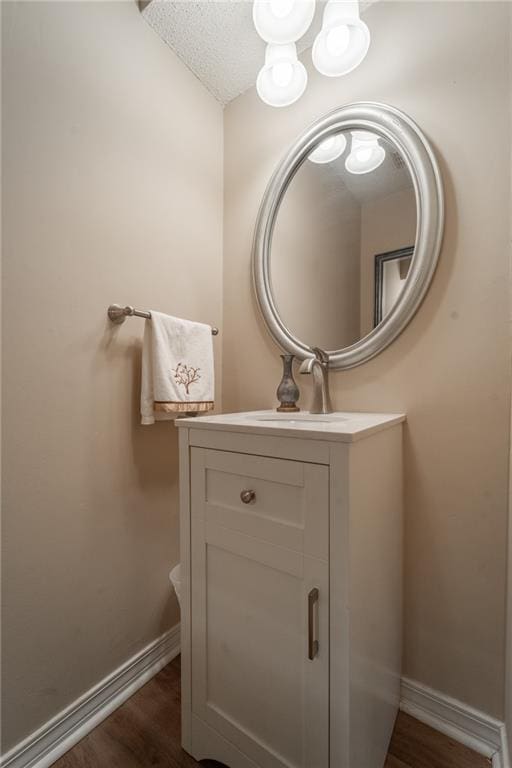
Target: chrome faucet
[(319, 367)]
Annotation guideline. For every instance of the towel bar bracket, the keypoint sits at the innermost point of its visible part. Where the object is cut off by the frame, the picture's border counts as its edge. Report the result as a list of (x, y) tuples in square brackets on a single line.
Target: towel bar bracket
[(118, 314)]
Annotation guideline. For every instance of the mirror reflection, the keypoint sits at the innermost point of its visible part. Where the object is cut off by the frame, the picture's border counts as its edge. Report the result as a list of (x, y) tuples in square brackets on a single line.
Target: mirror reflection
[(343, 240)]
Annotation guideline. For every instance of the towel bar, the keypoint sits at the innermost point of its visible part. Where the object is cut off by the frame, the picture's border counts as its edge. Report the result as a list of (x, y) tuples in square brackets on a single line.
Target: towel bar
[(118, 314)]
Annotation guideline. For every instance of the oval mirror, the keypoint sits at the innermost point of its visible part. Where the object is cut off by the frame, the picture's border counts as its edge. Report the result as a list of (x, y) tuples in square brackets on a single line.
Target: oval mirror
[(348, 234)]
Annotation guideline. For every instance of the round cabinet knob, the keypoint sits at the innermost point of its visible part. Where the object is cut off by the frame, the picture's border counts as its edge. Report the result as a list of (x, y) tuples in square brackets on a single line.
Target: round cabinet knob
[(247, 496)]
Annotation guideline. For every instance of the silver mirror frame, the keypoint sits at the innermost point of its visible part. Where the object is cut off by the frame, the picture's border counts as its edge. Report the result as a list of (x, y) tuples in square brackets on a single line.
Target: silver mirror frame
[(404, 134)]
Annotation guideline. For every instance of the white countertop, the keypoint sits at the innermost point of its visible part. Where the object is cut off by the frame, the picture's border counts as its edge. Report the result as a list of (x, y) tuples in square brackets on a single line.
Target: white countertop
[(342, 426)]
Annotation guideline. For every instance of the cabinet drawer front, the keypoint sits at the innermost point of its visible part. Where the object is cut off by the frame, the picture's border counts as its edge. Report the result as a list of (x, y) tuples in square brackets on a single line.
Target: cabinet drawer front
[(286, 502)]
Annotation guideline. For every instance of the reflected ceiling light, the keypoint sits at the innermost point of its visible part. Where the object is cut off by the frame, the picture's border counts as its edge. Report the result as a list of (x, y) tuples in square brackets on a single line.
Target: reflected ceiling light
[(329, 149), (366, 154), (282, 21), (283, 78), (343, 41)]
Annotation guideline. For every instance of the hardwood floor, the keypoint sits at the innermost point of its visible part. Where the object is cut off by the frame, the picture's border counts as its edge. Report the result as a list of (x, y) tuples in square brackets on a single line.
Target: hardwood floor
[(414, 745), (145, 733)]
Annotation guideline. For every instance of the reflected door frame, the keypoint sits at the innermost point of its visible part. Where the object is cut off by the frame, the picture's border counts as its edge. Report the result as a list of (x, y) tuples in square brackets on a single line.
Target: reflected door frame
[(380, 261)]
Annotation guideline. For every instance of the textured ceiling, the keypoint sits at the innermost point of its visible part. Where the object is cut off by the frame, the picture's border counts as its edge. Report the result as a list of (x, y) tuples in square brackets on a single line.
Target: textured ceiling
[(216, 39)]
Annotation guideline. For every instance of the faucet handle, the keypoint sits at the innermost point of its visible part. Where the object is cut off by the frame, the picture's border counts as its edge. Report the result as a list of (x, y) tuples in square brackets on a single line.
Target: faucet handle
[(321, 355)]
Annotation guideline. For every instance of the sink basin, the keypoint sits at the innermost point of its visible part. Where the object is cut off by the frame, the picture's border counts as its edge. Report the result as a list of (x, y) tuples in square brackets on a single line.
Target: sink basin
[(297, 418)]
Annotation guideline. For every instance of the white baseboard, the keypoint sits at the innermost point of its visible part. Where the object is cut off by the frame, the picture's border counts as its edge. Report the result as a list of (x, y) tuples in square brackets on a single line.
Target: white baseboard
[(56, 737), (460, 722)]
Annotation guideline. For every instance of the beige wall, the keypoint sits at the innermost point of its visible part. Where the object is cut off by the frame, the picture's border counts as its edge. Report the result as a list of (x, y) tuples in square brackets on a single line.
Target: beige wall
[(320, 301), (387, 223), (508, 640), (508, 682), (449, 370), (112, 156)]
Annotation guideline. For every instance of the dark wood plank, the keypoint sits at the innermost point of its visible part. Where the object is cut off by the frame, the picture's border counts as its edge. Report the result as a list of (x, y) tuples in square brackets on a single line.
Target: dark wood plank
[(394, 762), (145, 732), (419, 746)]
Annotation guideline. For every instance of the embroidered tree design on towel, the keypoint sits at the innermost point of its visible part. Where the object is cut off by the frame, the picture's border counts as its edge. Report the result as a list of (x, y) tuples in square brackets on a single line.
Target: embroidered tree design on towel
[(185, 375)]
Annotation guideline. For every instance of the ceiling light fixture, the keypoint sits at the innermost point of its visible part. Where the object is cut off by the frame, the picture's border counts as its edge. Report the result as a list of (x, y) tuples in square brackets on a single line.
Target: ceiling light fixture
[(366, 154), (329, 149), (343, 41), (283, 78), (282, 21)]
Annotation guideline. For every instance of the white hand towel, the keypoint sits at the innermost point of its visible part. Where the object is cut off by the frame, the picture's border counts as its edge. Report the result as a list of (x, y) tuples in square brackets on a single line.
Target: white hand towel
[(177, 368)]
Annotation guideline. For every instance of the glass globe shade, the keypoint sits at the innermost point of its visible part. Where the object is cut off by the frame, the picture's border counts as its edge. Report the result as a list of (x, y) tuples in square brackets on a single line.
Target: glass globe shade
[(283, 78), (366, 153), (329, 149), (282, 21), (343, 41)]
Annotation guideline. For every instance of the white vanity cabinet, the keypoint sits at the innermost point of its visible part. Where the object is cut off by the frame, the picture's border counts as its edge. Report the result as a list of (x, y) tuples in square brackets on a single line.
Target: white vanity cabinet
[(291, 540)]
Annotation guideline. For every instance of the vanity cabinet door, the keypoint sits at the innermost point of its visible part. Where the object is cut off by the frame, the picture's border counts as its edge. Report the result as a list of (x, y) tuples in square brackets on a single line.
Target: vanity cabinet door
[(259, 588)]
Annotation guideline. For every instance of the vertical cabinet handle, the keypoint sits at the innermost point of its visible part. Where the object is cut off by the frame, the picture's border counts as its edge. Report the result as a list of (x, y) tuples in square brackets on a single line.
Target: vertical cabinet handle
[(312, 640)]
